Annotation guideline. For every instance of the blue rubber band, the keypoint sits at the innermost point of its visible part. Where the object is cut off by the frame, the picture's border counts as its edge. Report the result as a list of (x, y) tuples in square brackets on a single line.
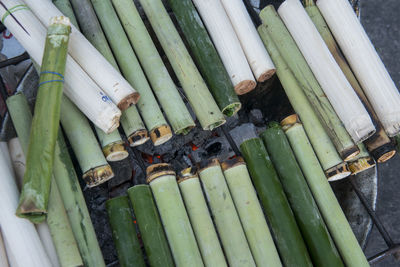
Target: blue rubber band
[(53, 72), (40, 84)]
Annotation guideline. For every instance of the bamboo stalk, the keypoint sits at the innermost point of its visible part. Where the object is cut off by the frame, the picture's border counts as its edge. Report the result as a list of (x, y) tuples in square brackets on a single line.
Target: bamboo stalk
[(65, 7), (334, 83), (150, 227), (157, 74), (362, 162), (331, 211), (323, 146), (226, 219), (97, 67), (173, 215), (296, 62), (289, 241), (315, 233), (112, 145), (206, 56), (227, 44), (124, 232), (133, 127), (3, 254), (94, 166), (195, 89), (365, 62), (250, 212), (379, 144), (160, 131), (40, 157), (18, 159), (203, 227)]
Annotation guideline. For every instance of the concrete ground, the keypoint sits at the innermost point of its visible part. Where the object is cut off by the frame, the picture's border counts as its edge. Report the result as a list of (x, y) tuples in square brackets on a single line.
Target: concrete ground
[(381, 20)]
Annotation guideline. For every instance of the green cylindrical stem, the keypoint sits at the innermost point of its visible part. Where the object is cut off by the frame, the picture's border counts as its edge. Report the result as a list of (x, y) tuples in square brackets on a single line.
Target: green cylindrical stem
[(174, 218), (331, 211), (42, 140), (225, 216), (133, 126), (298, 65), (250, 212), (191, 81), (161, 82), (150, 227), (314, 231), (206, 56), (124, 232), (200, 219), (65, 7), (287, 235)]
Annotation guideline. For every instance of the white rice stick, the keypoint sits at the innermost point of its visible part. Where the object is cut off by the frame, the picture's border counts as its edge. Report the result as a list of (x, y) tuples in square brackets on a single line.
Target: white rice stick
[(257, 56), (337, 88), (364, 61), (79, 87), (89, 58), (227, 44)]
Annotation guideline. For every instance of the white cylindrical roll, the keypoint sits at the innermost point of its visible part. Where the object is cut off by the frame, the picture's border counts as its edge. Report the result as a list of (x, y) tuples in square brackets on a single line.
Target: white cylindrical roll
[(79, 87), (337, 88), (227, 44), (87, 56), (257, 56), (364, 61)]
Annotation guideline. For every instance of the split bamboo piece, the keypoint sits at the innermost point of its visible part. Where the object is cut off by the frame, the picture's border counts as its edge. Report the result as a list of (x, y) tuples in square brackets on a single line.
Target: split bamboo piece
[(43, 134), (296, 62), (337, 88), (250, 212), (3, 254), (156, 72), (150, 227), (225, 216), (257, 57), (206, 56), (160, 131), (289, 241), (323, 146), (314, 231), (200, 218), (96, 66), (362, 162), (365, 62), (65, 7), (91, 101), (379, 144), (173, 215), (195, 89), (94, 166), (331, 211), (227, 44), (124, 232)]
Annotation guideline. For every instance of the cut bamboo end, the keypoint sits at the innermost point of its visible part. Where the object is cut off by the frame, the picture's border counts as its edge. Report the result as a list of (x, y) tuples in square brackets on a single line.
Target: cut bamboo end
[(214, 125), (232, 109), (28, 210), (338, 172), (60, 20), (128, 100), (266, 75), (160, 135), (231, 163), (350, 153), (290, 121), (384, 153), (115, 151), (361, 165), (98, 175), (158, 170), (138, 138), (187, 174), (208, 163), (245, 86), (185, 130)]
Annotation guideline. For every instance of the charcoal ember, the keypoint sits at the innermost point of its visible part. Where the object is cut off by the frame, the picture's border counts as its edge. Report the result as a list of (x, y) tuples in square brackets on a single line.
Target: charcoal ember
[(232, 122), (256, 117), (122, 172)]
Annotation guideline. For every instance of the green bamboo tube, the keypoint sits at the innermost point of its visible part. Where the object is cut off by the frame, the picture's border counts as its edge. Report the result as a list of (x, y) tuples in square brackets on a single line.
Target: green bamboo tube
[(314, 231), (326, 151), (296, 62), (287, 235), (65, 7), (57, 220), (250, 212), (331, 211), (196, 91), (124, 232), (112, 145), (362, 162), (40, 157), (94, 166), (225, 216), (161, 82), (133, 127), (206, 56), (173, 215), (160, 131), (150, 227), (200, 218), (379, 144)]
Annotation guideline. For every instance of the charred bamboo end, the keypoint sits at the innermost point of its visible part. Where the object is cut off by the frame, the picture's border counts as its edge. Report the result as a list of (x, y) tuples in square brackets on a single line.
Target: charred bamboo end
[(384, 152), (338, 172), (115, 151), (208, 163), (98, 175), (160, 135), (128, 100), (350, 153), (187, 174), (158, 170), (245, 86), (361, 165), (289, 121), (266, 75), (138, 138), (231, 163)]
